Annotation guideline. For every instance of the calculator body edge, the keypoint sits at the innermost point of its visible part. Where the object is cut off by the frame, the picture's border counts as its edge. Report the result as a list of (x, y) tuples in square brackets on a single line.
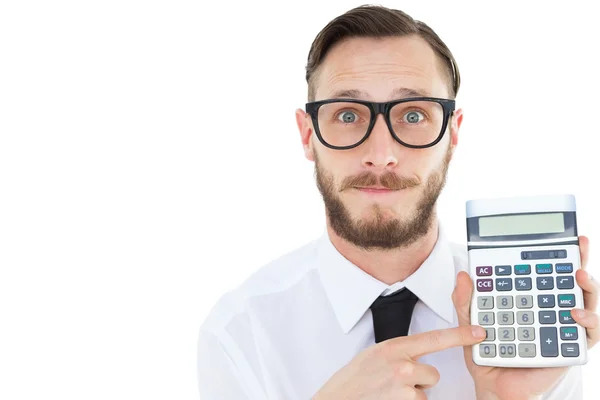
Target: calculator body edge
[(506, 250)]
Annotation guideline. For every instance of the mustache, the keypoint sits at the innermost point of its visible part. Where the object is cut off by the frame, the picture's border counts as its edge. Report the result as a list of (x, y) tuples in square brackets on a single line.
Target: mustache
[(388, 180)]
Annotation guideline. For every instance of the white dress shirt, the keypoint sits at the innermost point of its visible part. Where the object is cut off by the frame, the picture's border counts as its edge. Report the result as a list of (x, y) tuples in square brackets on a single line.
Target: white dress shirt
[(297, 320)]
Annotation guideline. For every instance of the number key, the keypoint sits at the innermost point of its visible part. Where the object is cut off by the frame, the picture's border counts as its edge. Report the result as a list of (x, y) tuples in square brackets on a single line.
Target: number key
[(506, 334), (525, 317), (524, 301), (485, 302), (487, 350), (507, 350), (504, 302), (526, 334), (506, 318), (486, 318)]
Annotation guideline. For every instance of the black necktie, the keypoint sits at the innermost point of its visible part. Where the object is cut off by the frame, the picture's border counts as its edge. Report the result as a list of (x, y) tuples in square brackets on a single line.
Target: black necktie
[(392, 314)]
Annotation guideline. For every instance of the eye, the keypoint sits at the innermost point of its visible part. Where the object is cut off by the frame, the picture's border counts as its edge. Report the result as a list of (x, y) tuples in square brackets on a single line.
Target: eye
[(413, 117), (347, 117)]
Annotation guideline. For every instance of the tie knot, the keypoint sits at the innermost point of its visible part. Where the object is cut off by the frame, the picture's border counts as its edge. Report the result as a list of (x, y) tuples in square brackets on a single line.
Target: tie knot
[(401, 297), (392, 314)]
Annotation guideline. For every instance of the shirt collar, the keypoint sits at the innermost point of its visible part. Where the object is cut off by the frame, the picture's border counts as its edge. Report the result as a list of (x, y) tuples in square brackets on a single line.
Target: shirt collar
[(351, 291)]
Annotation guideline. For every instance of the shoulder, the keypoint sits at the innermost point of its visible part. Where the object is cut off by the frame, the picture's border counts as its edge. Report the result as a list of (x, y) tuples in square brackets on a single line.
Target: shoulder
[(276, 276)]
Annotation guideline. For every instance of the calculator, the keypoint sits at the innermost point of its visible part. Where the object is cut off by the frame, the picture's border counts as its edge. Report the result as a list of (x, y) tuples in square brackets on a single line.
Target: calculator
[(523, 254)]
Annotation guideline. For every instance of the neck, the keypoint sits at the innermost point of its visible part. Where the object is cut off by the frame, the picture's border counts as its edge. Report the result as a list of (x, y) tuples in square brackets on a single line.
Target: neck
[(388, 266)]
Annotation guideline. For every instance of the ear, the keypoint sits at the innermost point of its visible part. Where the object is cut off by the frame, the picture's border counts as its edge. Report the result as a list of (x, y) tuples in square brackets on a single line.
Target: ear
[(305, 127), (456, 120)]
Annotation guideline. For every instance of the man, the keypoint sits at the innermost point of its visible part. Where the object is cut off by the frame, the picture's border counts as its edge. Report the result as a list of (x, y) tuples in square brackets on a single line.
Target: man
[(310, 324)]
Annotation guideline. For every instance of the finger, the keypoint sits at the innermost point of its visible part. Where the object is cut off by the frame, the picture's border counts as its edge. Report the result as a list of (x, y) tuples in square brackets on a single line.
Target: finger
[(590, 321), (416, 346), (461, 297), (590, 287), (584, 250), (426, 376)]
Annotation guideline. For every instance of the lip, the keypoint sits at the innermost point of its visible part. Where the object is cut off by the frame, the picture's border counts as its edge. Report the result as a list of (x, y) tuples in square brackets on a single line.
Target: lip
[(375, 190)]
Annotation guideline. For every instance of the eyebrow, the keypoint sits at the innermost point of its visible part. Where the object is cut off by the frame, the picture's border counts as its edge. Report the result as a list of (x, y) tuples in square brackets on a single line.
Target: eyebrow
[(398, 92)]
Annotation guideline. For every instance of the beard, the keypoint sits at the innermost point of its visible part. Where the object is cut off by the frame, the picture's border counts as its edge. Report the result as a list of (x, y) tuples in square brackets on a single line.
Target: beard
[(381, 233)]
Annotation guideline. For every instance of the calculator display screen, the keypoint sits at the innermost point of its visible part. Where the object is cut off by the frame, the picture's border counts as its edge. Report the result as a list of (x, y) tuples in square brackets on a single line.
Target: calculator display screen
[(521, 224)]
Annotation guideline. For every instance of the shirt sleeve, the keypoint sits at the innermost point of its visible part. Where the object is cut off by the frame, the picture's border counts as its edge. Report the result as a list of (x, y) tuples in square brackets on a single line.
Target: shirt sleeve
[(218, 376), (569, 387)]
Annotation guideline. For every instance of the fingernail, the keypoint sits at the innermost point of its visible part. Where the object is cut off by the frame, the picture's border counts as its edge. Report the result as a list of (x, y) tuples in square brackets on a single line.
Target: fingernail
[(478, 332), (578, 313)]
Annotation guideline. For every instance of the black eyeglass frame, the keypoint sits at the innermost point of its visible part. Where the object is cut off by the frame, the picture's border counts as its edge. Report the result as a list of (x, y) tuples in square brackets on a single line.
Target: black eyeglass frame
[(384, 108)]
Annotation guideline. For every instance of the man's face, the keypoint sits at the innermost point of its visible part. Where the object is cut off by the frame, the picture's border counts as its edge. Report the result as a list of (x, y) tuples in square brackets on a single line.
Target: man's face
[(394, 218)]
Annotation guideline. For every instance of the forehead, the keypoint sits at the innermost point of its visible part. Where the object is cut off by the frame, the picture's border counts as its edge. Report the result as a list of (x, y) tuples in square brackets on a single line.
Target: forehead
[(380, 68)]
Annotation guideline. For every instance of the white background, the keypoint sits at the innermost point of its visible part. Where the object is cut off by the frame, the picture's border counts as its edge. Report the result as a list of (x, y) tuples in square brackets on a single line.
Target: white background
[(150, 161)]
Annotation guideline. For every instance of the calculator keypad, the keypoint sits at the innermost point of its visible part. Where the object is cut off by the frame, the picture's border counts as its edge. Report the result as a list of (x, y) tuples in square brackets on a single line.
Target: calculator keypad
[(522, 325)]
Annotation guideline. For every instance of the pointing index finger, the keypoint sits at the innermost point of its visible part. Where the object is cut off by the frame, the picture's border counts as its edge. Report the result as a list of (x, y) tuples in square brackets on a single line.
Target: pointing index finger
[(416, 346)]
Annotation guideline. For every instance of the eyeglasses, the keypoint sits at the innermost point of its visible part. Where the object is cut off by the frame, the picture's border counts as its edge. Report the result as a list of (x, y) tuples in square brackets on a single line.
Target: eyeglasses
[(416, 122)]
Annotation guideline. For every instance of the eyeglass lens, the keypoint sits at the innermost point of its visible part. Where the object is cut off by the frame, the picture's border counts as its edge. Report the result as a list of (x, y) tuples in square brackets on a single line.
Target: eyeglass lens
[(417, 123)]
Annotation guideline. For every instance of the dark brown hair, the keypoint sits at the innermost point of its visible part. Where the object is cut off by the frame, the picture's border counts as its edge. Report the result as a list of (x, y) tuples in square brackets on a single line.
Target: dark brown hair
[(376, 22)]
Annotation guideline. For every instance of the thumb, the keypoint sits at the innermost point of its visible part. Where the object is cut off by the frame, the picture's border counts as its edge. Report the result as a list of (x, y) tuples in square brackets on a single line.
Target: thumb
[(461, 297)]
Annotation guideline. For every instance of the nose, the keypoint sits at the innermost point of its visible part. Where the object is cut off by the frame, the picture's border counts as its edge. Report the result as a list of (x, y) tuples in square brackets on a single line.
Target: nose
[(379, 146)]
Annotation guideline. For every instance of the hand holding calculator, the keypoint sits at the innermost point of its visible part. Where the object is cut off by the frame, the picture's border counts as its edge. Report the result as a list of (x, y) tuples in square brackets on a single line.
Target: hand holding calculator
[(523, 255)]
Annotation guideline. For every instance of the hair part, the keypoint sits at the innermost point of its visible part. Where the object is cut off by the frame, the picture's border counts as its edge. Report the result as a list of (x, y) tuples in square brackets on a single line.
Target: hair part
[(374, 21)]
